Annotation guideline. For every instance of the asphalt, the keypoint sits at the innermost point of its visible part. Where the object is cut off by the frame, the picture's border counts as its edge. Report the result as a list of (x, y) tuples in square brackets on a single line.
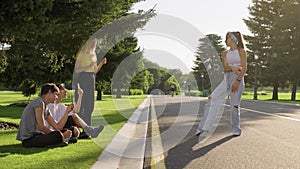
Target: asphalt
[(270, 137)]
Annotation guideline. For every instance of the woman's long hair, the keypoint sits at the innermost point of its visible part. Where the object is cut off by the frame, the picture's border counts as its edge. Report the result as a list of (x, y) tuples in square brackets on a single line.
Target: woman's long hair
[(238, 36)]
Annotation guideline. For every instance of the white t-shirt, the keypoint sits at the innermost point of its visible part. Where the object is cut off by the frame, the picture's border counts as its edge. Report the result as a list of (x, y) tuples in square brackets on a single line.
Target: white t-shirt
[(57, 111)]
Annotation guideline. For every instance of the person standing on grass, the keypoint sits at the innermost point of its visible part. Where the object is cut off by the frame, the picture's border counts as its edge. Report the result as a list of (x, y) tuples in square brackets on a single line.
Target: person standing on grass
[(85, 68), (32, 129), (59, 111), (235, 66)]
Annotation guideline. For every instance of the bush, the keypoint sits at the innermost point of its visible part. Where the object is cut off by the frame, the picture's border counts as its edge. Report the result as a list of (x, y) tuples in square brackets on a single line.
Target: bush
[(193, 93), (135, 92)]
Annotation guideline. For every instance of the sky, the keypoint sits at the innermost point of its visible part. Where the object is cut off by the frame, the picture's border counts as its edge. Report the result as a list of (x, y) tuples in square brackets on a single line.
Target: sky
[(196, 18)]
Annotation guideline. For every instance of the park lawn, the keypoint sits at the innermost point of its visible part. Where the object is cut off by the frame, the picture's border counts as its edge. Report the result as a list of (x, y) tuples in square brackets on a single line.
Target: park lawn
[(8, 97), (283, 97), (83, 154)]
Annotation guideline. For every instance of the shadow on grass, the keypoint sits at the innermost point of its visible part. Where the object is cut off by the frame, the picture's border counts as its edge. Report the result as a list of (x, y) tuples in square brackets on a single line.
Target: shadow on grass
[(6, 150), (11, 112), (9, 145)]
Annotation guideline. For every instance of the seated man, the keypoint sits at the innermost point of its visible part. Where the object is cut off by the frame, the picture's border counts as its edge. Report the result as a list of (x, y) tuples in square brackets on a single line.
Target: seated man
[(32, 130), (59, 113)]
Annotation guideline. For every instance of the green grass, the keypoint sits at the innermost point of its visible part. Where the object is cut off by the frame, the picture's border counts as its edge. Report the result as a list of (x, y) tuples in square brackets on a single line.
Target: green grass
[(83, 154), (8, 97), (283, 97)]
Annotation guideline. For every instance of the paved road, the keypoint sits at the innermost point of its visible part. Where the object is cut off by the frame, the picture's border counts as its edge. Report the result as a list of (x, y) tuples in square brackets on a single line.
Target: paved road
[(270, 138)]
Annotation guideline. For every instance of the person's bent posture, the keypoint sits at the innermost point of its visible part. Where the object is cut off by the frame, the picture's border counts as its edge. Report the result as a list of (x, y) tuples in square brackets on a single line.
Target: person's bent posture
[(32, 130), (70, 119)]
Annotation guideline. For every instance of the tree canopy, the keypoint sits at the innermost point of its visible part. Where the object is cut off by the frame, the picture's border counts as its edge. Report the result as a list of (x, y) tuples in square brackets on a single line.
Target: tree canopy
[(208, 67), (275, 27), (45, 36)]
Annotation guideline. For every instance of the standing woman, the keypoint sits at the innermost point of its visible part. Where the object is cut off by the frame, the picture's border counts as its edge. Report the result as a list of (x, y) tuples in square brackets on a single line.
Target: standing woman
[(235, 66), (86, 67)]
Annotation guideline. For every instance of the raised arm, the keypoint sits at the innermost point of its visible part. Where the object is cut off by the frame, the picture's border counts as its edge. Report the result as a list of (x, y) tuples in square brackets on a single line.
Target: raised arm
[(78, 104), (103, 62)]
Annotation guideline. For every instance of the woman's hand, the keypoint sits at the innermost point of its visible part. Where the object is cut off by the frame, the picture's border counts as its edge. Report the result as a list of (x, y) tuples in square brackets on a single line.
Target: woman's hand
[(70, 107), (80, 91), (235, 70), (104, 61), (67, 134), (235, 86)]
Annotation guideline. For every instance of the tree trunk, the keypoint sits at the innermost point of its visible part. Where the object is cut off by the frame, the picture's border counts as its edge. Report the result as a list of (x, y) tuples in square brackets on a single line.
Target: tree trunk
[(275, 91), (118, 93), (99, 95), (294, 91)]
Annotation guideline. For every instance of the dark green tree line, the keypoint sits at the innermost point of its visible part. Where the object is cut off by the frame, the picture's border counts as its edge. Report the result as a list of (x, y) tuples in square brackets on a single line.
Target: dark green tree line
[(275, 28), (45, 36)]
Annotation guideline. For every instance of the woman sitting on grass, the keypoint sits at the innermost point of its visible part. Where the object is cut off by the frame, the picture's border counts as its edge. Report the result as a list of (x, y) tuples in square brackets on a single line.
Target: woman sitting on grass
[(59, 113), (32, 130)]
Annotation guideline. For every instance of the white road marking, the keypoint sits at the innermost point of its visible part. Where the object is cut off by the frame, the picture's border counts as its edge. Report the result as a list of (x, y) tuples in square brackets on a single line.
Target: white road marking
[(269, 114)]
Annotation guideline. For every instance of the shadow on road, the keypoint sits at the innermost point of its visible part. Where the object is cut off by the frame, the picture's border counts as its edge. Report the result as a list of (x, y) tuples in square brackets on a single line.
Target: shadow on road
[(179, 156)]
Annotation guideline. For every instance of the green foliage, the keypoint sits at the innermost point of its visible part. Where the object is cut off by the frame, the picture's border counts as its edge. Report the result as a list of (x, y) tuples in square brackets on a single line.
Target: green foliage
[(3, 61), (193, 93), (28, 88), (208, 61), (143, 80), (135, 92), (275, 27), (46, 34), (168, 83)]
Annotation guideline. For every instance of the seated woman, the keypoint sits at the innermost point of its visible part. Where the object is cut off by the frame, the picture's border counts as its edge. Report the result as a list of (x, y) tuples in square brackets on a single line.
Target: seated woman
[(32, 130), (69, 120)]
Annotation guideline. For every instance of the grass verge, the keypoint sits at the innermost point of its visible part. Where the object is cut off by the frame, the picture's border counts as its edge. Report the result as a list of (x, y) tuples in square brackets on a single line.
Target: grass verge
[(83, 154)]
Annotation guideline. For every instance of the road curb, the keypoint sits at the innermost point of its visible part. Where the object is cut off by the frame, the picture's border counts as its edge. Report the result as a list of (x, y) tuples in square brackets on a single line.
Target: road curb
[(115, 155)]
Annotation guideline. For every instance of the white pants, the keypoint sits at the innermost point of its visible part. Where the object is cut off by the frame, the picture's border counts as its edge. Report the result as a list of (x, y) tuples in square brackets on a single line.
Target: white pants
[(214, 108)]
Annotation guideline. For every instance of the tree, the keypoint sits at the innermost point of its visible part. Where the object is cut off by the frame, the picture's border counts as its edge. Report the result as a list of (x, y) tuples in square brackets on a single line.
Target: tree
[(289, 25), (208, 65), (273, 26), (143, 80), (169, 82), (48, 33)]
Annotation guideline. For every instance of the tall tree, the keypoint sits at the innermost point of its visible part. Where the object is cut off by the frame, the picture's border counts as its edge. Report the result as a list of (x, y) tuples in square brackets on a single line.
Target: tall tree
[(122, 74), (208, 66), (49, 33), (272, 39), (143, 80), (290, 27)]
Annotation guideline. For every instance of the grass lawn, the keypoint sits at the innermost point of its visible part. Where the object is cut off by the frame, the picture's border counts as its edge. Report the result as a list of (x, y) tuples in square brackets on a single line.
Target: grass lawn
[(283, 97), (83, 154)]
